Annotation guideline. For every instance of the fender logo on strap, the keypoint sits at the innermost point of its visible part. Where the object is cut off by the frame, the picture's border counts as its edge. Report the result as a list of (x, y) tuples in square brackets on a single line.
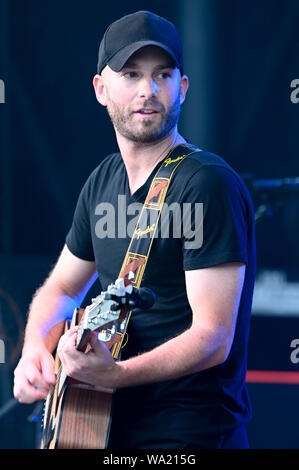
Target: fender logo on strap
[(169, 160), (138, 232)]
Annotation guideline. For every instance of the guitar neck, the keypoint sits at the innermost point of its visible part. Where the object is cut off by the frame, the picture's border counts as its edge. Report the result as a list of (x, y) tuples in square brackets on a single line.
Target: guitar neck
[(83, 341)]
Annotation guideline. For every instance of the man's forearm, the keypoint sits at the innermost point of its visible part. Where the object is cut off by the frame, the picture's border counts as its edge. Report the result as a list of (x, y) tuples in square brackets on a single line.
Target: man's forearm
[(194, 350)]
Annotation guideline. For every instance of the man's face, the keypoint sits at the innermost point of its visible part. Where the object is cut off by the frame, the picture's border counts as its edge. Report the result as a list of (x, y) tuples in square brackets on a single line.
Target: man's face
[(143, 99)]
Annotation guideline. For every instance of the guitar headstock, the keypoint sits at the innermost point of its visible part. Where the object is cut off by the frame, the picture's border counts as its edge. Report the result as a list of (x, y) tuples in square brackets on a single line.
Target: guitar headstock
[(106, 310)]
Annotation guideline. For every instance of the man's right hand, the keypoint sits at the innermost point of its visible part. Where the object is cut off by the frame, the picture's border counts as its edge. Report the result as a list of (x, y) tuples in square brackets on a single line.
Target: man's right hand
[(34, 375)]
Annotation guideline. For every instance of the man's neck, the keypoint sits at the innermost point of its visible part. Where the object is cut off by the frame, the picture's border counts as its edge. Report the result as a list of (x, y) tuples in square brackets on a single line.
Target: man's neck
[(140, 159)]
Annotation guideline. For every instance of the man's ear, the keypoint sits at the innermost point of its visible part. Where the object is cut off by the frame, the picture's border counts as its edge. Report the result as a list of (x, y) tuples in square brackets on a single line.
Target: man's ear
[(100, 89), (184, 85)]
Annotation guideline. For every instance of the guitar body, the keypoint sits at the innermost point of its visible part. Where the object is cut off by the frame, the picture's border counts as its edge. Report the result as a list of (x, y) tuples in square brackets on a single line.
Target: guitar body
[(76, 416), (84, 419)]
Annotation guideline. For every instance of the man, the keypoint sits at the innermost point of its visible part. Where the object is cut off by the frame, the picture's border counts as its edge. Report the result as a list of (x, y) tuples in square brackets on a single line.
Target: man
[(181, 380)]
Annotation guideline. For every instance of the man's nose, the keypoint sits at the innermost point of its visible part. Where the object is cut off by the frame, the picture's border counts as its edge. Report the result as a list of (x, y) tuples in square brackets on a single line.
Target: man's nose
[(147, 88)]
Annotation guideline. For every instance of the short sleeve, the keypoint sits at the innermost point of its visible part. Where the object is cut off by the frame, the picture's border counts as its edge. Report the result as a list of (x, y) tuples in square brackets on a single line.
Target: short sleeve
[(216, 220), (78, 239)]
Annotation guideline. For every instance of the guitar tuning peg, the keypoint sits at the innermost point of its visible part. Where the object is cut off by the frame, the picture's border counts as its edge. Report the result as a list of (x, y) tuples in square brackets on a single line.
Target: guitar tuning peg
[(113, 331)]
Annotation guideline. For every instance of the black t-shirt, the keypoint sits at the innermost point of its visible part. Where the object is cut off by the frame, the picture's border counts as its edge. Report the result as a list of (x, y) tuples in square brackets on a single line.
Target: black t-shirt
[(214, 400)]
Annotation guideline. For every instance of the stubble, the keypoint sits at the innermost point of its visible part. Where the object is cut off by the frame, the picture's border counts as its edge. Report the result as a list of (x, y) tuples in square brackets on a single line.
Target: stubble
[(149, 130)]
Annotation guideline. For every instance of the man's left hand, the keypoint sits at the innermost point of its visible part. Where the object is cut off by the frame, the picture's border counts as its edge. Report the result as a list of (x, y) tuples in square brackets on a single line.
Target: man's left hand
[(96, 367)]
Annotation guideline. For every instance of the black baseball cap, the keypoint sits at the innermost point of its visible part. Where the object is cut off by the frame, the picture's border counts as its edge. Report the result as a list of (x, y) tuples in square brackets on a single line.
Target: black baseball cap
[(132, 32)]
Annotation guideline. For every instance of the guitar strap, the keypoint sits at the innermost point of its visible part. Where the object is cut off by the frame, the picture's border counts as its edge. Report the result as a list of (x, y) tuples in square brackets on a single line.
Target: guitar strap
[(139, 248)]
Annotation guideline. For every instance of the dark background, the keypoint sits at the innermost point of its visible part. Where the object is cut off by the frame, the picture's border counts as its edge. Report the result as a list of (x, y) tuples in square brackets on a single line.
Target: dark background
[(240, 57)]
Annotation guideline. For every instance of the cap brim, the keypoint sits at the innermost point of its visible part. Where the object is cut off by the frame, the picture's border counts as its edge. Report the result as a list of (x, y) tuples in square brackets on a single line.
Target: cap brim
[(117, 62)]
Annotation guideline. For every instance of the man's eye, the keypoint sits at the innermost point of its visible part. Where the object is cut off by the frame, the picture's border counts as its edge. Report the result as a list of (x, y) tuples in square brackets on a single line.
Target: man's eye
[(130, 74), (164, 75)]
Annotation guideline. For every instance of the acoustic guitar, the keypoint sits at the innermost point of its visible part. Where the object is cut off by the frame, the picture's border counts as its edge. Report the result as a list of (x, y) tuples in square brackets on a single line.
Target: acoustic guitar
[(77, 415)]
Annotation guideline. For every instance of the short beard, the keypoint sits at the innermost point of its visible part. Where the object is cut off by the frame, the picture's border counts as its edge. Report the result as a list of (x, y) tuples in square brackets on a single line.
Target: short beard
[(148, 134)]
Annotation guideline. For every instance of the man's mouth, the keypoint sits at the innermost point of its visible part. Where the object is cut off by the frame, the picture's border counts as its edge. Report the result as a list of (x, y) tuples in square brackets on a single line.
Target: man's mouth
[(146, 111)]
